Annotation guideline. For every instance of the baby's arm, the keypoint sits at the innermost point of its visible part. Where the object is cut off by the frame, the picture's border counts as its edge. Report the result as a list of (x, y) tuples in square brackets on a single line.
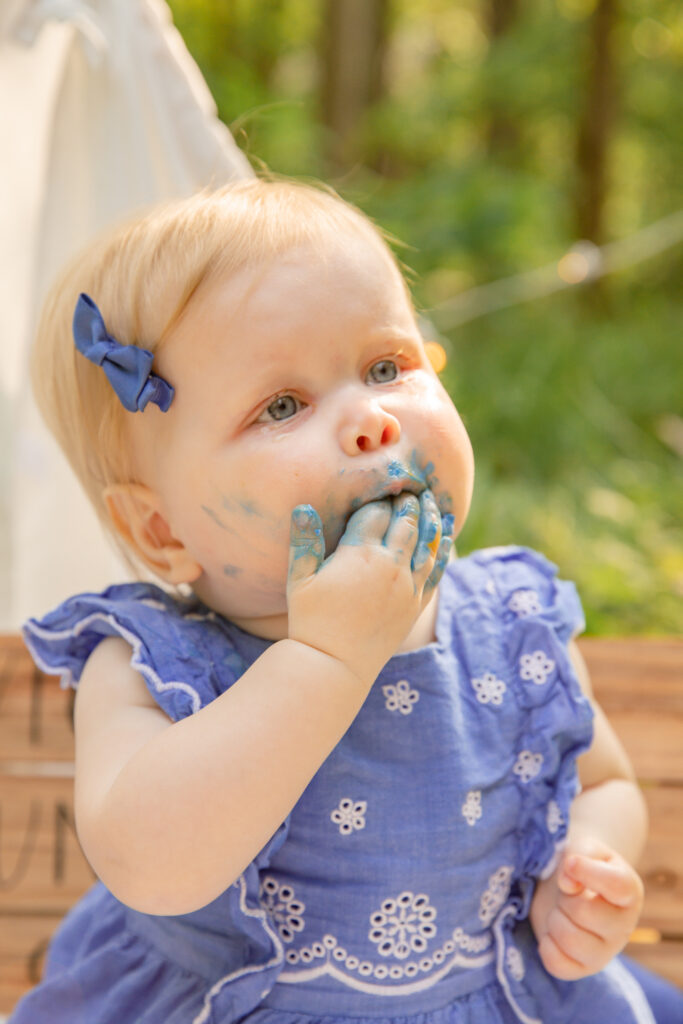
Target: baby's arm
[(584, 913), (170, 814)]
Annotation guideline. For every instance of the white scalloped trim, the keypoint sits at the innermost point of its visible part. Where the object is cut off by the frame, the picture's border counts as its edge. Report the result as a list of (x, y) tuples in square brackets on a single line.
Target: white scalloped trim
[(458, 960), (136, 661)]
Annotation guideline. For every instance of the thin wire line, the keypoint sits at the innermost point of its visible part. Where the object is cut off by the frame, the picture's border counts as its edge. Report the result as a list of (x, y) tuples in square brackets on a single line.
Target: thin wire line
[(590, 263)]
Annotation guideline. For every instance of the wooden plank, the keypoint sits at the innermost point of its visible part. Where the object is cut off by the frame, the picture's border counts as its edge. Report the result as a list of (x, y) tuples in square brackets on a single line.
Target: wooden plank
[(639, 685), (661, 866), (632, 678), (42, 867), (35, 713), (640, 670), (654, 742), (43, 872)]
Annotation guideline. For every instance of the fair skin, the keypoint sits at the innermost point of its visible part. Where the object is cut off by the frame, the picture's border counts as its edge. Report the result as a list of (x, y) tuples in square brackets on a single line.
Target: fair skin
[(303, 386)]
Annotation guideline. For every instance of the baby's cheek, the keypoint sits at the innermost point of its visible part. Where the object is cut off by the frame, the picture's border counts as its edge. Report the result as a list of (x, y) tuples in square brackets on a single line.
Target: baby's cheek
[(454, 466)]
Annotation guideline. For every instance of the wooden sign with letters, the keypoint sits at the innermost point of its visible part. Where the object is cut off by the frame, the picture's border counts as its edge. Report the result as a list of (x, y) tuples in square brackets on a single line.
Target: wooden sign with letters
[(639, 683)]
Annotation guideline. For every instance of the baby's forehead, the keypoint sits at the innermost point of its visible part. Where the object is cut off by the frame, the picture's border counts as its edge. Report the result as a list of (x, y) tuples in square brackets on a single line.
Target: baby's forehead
[(300, 302), (287, 283)]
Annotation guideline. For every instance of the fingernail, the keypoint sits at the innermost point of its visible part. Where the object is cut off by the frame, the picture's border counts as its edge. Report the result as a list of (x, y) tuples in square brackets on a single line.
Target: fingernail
[(407, 505), (302, 516)]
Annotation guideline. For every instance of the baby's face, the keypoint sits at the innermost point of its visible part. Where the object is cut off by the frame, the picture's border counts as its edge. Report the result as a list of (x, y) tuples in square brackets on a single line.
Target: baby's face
[(304, 381)]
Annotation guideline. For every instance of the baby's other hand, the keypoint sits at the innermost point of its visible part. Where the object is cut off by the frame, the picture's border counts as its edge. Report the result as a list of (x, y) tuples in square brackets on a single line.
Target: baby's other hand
[(584, 913), (360, 603)]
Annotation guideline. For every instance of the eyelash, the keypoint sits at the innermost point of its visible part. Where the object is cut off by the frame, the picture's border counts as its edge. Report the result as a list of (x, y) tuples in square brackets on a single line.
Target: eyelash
[(301, 405)]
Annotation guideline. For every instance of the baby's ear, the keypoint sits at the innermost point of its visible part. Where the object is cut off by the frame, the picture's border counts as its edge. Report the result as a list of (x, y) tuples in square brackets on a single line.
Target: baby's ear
[(135, 514)]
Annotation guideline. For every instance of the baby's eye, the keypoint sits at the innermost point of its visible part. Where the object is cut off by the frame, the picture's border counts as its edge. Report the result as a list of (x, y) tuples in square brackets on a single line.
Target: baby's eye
[(281, 408), (383, 371)]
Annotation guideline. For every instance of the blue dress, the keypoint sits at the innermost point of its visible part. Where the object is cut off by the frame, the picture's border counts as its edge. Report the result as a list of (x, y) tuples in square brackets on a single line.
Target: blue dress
[(399, 886)]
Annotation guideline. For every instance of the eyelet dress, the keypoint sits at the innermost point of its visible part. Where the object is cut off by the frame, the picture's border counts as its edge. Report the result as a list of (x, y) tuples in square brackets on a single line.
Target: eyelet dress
[(399, 886)]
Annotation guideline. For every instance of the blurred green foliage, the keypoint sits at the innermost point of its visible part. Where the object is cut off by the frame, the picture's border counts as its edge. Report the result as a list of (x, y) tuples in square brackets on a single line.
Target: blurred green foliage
[(573, 401)]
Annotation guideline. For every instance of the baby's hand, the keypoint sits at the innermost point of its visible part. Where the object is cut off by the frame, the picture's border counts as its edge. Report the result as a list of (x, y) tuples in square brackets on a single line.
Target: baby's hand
[(585, 912), (360, 603)]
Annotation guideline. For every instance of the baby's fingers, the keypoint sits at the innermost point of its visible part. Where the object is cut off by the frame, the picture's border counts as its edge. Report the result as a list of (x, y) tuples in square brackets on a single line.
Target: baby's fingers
[(368, 524), (443, 553), (306, 543), (583, 945), (612, 879), (558, 960), (429, 536), (594, 914), (402, 532)]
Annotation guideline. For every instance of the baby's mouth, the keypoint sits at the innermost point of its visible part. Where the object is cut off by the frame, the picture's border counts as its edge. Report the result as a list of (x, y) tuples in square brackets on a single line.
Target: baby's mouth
[(387, 482), (394, 479)]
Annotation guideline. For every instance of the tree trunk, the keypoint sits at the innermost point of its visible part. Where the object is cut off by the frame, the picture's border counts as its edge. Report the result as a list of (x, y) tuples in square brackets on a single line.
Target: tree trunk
[(352, 52), (596, 125), (502, 130)]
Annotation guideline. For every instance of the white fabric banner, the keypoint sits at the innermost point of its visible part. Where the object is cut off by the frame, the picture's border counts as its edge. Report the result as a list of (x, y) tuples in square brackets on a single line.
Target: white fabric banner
[(102, 111)]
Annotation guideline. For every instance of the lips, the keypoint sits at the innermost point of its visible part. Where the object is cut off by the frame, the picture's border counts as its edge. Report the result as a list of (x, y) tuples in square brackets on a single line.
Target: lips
[(400, 478), (400, 484), (385, 483)]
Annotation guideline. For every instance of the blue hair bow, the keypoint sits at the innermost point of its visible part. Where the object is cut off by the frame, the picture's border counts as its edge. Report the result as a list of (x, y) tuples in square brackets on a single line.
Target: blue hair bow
[(128, 368)]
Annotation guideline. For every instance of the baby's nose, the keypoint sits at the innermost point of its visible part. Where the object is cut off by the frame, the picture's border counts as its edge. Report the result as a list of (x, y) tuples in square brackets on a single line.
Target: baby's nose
[(367, 428)]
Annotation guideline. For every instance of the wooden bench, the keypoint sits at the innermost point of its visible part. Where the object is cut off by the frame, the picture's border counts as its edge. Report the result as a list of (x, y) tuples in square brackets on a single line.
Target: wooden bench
[(42, 870)]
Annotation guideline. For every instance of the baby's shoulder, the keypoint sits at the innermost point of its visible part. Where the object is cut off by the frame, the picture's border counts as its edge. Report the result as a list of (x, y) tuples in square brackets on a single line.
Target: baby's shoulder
[(514, 584)]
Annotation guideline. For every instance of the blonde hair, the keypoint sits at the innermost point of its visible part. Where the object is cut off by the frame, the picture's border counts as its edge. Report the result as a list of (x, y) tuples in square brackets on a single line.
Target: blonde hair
[(142, 276)]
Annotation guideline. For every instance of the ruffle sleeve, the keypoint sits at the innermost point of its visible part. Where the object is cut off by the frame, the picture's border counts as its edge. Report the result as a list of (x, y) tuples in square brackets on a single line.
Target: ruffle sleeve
[(527, 616), (183, 651), (540, 616)]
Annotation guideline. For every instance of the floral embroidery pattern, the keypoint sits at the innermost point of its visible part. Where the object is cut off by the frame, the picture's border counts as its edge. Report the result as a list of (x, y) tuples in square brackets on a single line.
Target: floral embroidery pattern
[(349, 816), (285, 911), (471, 809), (528, 765), (515, 963), (488, 689), (553, 817), (536, 667), (400, 697), (496, 894), (403, 925), (524, 602)]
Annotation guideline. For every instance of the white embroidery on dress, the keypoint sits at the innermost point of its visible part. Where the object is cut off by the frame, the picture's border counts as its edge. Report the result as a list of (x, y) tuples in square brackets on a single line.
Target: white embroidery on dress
[(524, 602), (400, 697), (496, 894), (553, 818), (403, 925), (285, 911), (528, 765), (515, 963), (329, 958), (471, 809), (470, 943), (536, 667), (349, 816), (489, 689)]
